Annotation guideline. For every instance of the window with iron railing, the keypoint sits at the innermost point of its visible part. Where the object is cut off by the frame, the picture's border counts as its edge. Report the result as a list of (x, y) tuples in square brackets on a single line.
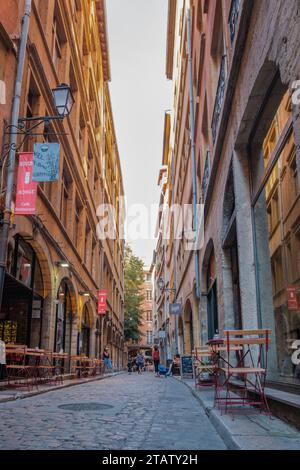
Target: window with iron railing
[(219, 98)]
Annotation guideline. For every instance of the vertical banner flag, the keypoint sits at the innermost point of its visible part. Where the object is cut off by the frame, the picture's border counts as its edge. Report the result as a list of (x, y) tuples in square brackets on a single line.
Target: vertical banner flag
[(292, 298), (102, 302), (26, 188), (46, 162)]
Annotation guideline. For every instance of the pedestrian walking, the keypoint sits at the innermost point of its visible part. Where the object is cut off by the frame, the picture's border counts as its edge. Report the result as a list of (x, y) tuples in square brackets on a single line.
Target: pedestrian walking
[(129, 365), (156, 359), (139, 362), (106, 359)]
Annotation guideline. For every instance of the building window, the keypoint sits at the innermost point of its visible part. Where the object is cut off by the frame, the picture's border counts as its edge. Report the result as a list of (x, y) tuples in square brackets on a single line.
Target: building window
[(77, 226), (58, 44), (149, 337), (87, 251), (149, 315), (65, 195), (148, 295)]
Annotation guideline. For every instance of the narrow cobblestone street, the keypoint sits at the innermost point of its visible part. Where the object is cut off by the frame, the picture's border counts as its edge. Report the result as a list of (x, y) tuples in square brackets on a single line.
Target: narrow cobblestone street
[(141, 412)]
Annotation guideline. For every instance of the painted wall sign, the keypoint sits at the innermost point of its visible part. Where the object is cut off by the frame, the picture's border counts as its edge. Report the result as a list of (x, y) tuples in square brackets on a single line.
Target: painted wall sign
[(26, 188), (102, 302), (46, 162)]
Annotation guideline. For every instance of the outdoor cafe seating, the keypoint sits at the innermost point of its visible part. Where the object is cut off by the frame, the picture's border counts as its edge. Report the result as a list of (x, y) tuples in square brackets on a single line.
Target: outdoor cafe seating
[(30, 367)]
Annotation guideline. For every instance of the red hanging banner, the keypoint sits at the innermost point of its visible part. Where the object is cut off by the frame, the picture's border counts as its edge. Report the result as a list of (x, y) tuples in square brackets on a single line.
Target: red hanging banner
[(26, 188), (102, 302), (292, 298)]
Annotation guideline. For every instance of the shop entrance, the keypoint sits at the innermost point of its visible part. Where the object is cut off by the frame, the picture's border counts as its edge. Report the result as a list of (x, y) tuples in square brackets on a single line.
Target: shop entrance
[(21, 313)]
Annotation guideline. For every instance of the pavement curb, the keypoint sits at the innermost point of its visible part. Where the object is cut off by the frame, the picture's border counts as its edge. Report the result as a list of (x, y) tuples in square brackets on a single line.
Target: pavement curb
[(56, 387), (215, 419)]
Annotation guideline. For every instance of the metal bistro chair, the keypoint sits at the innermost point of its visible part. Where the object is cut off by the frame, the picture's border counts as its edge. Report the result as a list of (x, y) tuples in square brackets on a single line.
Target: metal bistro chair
[(58, 361), (18, 372), (249, 365), (204, 367)]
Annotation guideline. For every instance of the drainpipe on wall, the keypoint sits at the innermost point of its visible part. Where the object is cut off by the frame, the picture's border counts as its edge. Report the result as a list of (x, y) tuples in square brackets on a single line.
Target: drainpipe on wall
[(174, 254), (194, 166), (12, 145)]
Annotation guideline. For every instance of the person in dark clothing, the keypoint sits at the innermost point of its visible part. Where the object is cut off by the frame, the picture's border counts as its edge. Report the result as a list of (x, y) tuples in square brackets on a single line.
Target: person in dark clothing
[(156, 359), (129, 365)]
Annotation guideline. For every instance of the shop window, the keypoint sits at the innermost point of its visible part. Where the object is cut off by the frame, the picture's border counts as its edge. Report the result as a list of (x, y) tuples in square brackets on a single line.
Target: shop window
[(22, 306), (276, 207)]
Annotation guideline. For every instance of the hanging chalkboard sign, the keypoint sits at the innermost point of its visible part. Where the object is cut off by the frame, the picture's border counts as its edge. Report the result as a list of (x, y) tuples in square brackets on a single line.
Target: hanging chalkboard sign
[(186, 366)]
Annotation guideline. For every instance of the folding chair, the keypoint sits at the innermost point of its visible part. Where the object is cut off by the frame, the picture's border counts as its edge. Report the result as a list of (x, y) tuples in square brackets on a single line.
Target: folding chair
[(18, 373), (249, 365), (204, 367)]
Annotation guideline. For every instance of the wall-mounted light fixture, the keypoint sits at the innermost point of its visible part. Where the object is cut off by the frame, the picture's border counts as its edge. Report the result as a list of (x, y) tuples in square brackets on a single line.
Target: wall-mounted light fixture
[(62, 264), (84, 293)]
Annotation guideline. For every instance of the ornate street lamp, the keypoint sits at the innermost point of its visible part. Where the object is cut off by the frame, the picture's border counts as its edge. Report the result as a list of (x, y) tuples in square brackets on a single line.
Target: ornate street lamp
[(63, 99), (161, 283)]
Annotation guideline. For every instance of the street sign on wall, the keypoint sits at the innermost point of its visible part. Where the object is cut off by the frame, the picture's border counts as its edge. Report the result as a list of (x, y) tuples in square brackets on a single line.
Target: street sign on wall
[(102, 302), (46, 162), (175, 308), (26, 188)]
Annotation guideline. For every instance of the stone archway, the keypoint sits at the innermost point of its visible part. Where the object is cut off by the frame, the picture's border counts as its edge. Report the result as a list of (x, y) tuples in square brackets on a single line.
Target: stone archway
[(65, 316), (209, 283), (87, 322), (230, 262), (27, 302)]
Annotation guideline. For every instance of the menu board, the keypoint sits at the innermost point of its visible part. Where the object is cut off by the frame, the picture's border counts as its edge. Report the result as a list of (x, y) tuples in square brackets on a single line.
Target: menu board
[(8, 331), (187, 366)]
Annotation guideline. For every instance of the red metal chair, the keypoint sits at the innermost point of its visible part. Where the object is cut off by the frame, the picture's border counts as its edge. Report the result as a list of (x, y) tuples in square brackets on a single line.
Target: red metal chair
[(249, 365)]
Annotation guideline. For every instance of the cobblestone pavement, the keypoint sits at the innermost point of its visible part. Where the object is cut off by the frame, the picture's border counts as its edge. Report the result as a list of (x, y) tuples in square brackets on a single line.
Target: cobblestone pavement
[(145, 412)]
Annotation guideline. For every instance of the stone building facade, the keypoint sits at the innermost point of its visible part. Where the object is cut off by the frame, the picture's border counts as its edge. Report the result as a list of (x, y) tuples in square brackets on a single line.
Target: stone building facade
[(245, 66), (56, 263)]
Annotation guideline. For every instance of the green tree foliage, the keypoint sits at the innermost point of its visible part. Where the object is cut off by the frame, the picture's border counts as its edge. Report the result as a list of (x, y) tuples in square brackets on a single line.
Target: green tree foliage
[(133, 283)]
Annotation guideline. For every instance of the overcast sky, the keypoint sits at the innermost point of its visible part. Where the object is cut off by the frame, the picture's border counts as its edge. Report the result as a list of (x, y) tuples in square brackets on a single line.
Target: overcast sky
[(140, 96)]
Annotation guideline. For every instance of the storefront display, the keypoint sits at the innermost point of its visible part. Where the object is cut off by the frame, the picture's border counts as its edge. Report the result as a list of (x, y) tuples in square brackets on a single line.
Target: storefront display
[(277, 235)]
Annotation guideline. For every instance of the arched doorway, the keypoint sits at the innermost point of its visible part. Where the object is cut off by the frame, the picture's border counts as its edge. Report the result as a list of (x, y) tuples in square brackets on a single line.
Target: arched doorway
[(231, 255), (21, 315), (84, 334), (64, 319), (85, 331), (212, 299), (188, 327)]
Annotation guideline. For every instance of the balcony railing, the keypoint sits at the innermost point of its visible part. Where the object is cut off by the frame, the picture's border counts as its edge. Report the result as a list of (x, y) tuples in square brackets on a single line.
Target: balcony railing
[(233, 17), (219, 98)]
